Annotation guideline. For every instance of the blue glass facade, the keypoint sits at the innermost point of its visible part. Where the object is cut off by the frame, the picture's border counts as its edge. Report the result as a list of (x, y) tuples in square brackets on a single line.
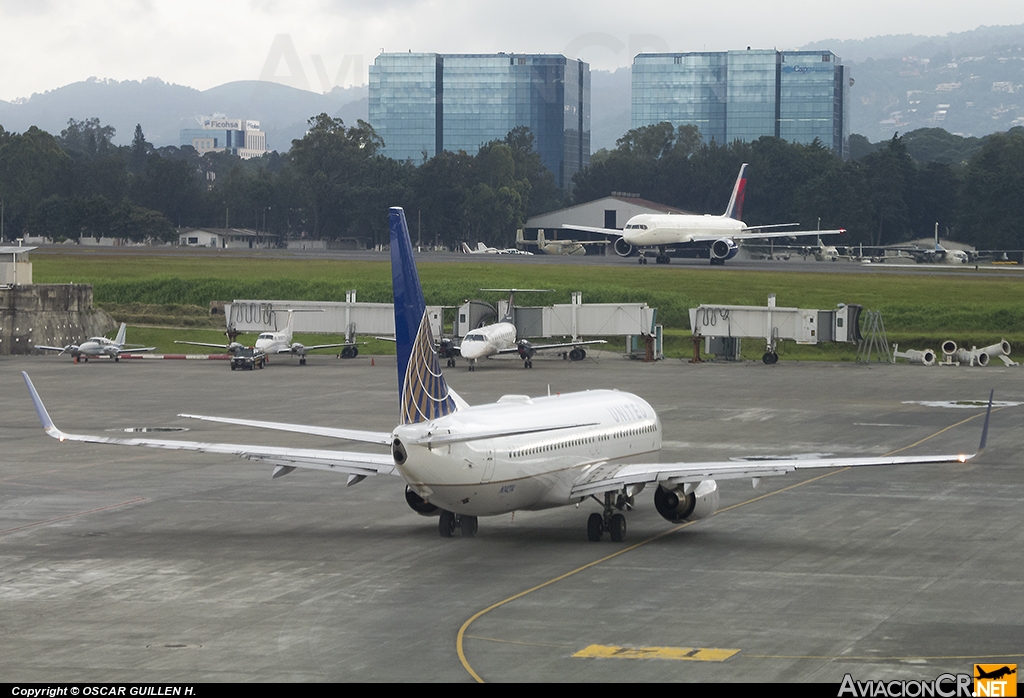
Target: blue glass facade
[(743, 95), (423, 103)]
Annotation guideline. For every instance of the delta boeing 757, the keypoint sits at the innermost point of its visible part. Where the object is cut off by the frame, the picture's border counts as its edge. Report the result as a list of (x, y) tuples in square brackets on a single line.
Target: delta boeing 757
[(461, 462), (719, 234)]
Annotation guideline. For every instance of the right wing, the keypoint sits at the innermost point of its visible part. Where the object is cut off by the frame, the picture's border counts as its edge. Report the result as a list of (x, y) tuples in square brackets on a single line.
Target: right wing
[(356, 465), (60, 349), (608, 478), (203, 344)]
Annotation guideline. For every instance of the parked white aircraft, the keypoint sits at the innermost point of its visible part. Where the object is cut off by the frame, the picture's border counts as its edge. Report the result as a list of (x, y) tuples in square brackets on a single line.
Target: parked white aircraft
[(281, 343), (502, 338), (719, 234), (481, 248), (99, 346), (520, 453)]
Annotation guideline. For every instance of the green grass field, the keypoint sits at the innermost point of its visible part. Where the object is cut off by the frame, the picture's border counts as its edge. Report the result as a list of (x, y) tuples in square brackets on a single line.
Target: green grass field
[(919, 310)]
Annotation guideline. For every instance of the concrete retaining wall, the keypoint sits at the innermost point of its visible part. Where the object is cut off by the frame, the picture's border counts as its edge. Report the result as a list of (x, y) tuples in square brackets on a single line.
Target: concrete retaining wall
[(51, 314)]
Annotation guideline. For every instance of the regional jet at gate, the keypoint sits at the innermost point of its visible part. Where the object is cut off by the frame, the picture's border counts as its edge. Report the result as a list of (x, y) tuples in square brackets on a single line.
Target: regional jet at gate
[(718, 234), (460, 462), (99, 346)]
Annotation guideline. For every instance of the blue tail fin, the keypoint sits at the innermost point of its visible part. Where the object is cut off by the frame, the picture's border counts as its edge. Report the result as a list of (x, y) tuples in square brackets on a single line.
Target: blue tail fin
[(422, 391), (735, 207)]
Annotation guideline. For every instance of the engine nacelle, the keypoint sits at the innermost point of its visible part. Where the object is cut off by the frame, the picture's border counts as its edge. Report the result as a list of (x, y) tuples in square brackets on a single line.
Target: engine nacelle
[(526, 350), (677, 506), (723, 249), (419, 504), (623, 248)]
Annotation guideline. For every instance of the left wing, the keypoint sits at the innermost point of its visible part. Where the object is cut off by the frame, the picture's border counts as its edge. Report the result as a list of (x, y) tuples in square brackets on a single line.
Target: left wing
[(566, 345), (357, 466), (125, 350), (606, 478), (753, 233)]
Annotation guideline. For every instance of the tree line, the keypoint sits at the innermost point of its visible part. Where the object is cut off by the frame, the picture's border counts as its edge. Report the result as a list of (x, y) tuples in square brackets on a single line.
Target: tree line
[(333, 183)]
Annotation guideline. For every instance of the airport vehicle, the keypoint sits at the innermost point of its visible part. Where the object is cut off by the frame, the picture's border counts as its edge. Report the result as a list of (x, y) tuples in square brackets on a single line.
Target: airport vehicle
[(281, 343), (501, 338), (248, 358), (719, 234), (481, 248), (99, 346), (460, 462)]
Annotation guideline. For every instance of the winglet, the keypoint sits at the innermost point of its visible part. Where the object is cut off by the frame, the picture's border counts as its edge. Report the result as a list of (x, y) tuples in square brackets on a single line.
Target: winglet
[(44, 417), (984, 429), (735, 207)]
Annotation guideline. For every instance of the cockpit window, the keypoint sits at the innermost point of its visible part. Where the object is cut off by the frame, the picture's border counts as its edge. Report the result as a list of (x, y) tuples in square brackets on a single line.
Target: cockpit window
[(266, 335), (474, 338)]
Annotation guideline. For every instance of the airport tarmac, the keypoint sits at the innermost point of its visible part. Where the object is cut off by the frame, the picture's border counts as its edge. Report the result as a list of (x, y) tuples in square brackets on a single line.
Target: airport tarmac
[(132, 564)]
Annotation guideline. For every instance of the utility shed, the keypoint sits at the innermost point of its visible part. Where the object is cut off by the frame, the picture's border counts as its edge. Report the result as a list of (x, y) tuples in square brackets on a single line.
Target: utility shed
[(15, 269)]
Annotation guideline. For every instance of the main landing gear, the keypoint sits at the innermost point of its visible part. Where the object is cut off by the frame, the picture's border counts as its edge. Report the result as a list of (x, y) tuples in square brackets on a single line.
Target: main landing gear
[(770, 357), (528, 363), (448, 521), (451, 363), (609, 521)]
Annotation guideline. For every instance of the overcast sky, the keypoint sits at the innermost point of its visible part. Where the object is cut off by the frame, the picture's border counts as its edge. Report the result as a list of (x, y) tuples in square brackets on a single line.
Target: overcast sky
[(322, 43)]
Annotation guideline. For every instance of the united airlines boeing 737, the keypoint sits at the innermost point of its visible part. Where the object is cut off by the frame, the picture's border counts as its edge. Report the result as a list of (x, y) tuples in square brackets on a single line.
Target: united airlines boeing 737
[(461, 462)]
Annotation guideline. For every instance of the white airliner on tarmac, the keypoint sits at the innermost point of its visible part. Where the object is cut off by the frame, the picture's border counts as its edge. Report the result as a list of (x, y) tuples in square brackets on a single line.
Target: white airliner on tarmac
[(520, 453), (719, 234), (99, 346), (502, 338), (281, 343)]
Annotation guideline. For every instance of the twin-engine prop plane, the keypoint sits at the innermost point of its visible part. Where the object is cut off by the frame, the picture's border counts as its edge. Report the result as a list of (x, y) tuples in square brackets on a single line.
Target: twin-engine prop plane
[(99, 346), (460, 462), (281, 343), (718, 234)]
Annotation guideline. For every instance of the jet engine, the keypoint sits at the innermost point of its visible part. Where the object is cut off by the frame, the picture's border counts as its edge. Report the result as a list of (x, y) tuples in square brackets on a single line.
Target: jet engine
[(678, 505), (723, 249), (419, 504), (623, 248)]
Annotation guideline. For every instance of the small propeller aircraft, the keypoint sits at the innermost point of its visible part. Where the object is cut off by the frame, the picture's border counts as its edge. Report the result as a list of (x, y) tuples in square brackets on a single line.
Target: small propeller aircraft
[(99, 346)]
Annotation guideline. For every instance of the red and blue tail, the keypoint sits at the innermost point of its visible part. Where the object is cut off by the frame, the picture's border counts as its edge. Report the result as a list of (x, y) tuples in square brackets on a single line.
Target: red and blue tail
[(422, 390), (735, 207)]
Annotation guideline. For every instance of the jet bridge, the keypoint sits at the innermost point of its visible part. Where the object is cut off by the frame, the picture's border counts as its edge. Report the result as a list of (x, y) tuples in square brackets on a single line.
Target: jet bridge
[(724, 326)]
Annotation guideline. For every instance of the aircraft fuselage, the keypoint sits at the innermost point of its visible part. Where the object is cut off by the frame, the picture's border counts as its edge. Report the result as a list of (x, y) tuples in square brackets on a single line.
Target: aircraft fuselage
[(651, 230), (488, 340), (525, 471)]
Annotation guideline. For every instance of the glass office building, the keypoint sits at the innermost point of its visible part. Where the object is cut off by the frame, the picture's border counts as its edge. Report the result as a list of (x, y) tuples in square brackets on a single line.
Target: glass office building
[(743, 95), (425, 103)]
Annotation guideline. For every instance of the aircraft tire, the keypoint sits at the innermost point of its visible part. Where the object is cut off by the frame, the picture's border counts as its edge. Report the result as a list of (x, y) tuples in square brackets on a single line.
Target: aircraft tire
[(468, 524), (446, 524), (233, 367), (595, 527), (355, 352), (767, 358), (617, 528)]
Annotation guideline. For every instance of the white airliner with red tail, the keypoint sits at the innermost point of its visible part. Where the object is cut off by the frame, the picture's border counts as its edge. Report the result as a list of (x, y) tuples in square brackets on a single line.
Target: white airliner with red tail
[(461, 462), (718, 234)]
